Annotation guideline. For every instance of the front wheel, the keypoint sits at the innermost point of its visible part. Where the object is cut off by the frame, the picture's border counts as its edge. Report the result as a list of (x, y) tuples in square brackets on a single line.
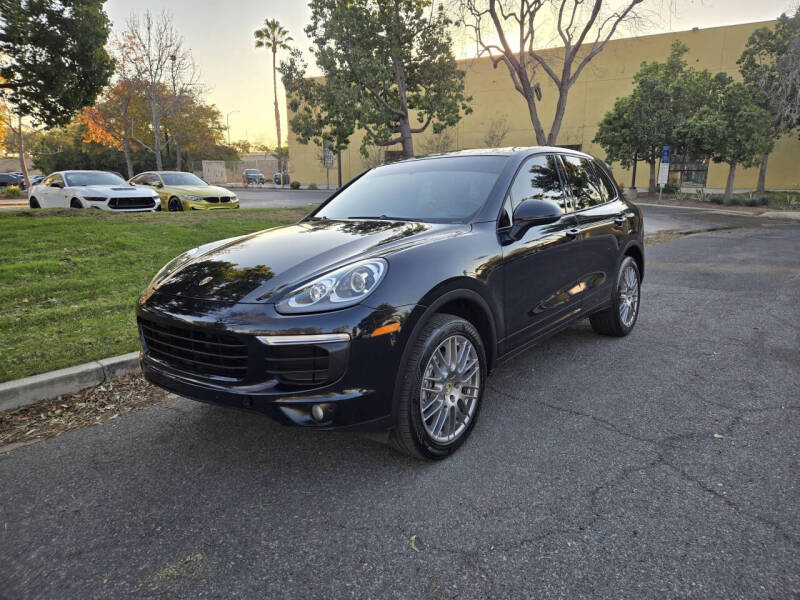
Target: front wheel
[(442, 388), (619, 319), (33, 203), (175, 205)]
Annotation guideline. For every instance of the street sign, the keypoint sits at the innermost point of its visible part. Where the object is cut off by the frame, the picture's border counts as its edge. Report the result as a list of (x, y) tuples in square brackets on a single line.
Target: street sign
[(663, 168)]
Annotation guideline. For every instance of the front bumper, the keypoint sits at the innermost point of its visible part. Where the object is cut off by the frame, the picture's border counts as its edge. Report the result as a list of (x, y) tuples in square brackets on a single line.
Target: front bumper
[(358, 394), (203, 205)]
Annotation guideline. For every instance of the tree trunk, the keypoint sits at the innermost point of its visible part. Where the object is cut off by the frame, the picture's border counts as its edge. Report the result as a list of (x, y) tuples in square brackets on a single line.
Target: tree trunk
[(762, 175), (126, 150), (652, 185), (530, 98), (405, 127), (277, 112), (726, 199), (156, 129), (633, 176), (561, 107), (177, 153), (21, 148)]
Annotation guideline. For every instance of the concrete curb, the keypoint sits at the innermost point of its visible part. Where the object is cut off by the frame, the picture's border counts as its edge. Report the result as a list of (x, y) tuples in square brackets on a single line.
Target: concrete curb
[(46, 386)]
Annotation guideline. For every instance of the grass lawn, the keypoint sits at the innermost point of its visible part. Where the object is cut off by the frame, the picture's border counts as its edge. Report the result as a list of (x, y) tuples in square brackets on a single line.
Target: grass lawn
[(70, 279)]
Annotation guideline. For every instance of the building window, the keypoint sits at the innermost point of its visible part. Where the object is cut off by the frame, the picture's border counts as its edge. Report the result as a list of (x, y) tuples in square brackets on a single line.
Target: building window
[(686, 170)]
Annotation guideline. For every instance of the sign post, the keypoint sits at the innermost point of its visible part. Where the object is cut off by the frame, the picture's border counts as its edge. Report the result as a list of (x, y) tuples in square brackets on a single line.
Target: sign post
[(663, 170)]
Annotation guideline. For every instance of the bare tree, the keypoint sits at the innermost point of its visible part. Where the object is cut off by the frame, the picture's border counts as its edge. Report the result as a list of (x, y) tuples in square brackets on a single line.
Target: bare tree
[(162, 63), (583, 26), (440, 142), (497, 132)]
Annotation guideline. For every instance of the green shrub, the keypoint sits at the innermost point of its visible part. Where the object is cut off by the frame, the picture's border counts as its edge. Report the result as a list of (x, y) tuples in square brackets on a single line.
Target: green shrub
[(715, 198), (757, 201), (671, 187), (12, 191), (295, 185), (312, 186)]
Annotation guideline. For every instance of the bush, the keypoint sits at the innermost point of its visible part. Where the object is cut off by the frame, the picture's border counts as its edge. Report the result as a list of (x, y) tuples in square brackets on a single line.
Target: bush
[(312, 186), (295, 185), (757, 201), (12, 191), (715, 198), (671, 187)]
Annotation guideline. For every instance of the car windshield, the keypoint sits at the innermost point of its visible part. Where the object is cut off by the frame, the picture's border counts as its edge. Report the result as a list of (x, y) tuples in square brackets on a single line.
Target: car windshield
[(437, 190), (181, 179), (78, 179)]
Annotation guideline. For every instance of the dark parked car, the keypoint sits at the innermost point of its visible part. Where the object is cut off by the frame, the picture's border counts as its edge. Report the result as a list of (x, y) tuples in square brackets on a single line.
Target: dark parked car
[(276, 178), (253, 176), (7, 179), (388, 306)]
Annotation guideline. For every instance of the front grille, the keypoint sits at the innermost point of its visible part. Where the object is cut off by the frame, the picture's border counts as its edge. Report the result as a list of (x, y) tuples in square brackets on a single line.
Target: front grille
[(212, 199), (300, 365), (195, 350), (129, 203), (224, 199)]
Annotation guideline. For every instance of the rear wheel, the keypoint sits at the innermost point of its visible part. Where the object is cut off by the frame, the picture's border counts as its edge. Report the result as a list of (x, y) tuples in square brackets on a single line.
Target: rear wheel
[(175, 204), (33, 202), (619, 319), (442, 389), (75, 203)]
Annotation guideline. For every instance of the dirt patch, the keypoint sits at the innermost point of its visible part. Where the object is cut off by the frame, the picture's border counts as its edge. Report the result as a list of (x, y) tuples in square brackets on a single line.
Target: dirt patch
[(88, 407)]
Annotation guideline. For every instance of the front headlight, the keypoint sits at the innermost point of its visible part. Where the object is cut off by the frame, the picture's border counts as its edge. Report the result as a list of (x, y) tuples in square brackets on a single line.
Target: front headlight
[(192, 198), (338, 289)]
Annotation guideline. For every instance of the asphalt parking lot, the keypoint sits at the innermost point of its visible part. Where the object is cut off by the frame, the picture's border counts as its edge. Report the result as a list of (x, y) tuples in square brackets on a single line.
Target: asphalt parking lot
[(264, 197), (664, 464)]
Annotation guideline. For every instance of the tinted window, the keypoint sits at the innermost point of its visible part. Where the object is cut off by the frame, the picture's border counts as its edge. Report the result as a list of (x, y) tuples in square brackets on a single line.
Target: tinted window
[(582, 181), (538, 179), (607, 187), (449, 189), (139, 179), (181, 179)]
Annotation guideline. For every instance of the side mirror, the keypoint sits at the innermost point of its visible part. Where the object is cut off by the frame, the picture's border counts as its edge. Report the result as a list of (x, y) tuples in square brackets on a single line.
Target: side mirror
[(158, 184), (56, 184), (534, 212)]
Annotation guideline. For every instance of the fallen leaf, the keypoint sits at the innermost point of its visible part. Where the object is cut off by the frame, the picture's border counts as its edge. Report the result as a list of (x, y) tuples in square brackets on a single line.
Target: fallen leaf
[(414, 543), (719, 436)]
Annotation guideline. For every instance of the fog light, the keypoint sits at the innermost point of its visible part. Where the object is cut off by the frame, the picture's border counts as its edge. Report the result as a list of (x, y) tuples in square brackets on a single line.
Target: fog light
[(318, 412)]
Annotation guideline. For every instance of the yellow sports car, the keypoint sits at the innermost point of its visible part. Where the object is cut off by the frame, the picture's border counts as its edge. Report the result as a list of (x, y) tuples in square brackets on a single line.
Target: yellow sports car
[(186, 191)]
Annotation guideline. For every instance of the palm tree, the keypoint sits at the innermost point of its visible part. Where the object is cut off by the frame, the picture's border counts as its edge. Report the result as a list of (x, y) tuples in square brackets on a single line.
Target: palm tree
[(274, 37)]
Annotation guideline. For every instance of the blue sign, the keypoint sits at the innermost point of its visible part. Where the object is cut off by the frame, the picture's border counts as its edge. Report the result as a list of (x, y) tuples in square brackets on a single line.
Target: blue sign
[(665, 154)]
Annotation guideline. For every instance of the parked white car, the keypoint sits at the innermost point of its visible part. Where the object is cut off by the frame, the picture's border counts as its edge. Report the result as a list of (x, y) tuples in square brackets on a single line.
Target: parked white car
[(92, 189)]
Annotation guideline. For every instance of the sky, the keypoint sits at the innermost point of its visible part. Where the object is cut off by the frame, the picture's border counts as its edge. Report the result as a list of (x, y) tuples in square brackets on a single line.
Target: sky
[(238, 76)]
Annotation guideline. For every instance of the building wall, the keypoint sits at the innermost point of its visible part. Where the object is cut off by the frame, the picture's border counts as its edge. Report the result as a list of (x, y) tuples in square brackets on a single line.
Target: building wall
[(608, 77)]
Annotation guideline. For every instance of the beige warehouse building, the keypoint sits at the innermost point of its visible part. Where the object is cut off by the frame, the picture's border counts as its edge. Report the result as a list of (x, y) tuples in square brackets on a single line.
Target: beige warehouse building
[(608, 77)]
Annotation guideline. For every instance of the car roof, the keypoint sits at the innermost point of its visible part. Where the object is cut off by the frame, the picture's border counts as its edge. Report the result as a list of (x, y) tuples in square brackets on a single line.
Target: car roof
[(509, 151)]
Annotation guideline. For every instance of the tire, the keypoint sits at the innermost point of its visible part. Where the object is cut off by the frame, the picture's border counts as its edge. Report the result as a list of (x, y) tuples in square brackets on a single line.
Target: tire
[(75, 203), (174, 205), (412, 434), (617, 321), (33, 202)]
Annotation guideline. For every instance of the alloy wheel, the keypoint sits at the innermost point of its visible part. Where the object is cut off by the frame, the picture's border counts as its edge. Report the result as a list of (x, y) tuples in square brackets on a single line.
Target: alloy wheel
[(175, 205), (628, 294), (450, 389)]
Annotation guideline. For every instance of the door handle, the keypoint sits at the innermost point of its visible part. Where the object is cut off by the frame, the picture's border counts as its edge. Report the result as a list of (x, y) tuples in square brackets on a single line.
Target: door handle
[(573, 233)]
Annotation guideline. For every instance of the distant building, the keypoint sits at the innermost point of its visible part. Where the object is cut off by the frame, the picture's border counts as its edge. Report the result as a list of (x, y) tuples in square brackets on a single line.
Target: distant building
[(608, 77)]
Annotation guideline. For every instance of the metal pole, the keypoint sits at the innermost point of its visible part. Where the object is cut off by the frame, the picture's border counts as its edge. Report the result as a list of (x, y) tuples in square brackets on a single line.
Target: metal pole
[(339, 160), (228, 122)]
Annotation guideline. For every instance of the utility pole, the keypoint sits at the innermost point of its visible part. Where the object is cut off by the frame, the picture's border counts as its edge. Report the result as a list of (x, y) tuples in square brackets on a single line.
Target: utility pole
[(228, 122)]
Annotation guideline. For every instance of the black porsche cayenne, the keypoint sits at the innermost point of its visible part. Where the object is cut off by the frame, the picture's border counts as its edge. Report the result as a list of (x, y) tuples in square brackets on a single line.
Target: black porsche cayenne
[(387, 307)]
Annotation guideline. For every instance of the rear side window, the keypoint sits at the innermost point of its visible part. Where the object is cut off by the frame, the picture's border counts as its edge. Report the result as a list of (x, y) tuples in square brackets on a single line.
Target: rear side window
[(608, 189), (583, 182), (538, 179)]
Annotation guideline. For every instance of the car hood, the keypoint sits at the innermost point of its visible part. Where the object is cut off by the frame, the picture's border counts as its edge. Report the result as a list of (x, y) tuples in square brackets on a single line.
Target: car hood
[(260, 267), (113, 191), (203, 191)]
